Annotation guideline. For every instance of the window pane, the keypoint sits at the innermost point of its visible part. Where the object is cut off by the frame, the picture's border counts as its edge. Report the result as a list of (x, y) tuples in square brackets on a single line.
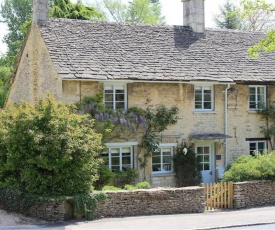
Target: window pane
[(115, 168), (156, 159), (206, 167), (200, 158), (167, 159), (167, 167), (198, 105), (109, 105), (261, 146), (252, 90), (120, 97), (206, 150), (120, 105), (207, 105), (109, 97), (156, 167), (200, 150), (206, 159)]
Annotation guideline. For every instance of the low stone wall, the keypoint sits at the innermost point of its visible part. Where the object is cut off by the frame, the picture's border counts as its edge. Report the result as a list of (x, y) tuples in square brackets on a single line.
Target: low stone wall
[(254, 193), (51, 211), (152, 202)]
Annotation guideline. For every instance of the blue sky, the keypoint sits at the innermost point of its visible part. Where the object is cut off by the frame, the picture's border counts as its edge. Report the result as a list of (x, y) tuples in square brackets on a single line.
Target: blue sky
[(172, 10)]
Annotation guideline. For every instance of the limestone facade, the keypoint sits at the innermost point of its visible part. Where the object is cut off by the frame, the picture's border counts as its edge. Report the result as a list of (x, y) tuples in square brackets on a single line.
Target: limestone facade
[(37, 77)]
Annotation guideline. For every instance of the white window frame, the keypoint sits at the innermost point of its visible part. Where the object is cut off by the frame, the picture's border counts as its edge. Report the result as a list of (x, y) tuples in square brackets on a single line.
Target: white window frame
[(161, 148), (120, 146), (257, 101), (257, 146), (115, 86), (204, 87)]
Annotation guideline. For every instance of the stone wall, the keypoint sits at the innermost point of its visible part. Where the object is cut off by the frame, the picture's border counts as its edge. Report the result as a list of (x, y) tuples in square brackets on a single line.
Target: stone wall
[(51, 211), (152, 202), (254, 193)]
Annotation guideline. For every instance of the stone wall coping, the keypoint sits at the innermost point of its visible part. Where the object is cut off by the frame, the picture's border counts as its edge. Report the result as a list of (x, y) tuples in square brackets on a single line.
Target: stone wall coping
[(253, 182), (163, 174), (152, 190)]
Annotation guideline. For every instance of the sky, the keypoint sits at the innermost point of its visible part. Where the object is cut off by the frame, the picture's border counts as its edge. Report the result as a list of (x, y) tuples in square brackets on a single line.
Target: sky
[(172, 10)]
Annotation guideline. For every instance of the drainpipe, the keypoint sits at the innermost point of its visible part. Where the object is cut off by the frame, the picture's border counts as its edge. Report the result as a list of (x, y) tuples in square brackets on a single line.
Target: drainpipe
[(226, 122)]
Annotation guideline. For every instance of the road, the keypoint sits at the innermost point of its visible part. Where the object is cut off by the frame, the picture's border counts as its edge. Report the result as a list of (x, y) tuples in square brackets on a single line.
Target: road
[(254, 219)]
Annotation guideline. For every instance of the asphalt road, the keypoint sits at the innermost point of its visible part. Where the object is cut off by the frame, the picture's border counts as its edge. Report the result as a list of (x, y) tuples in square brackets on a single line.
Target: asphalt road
[(254, 219)]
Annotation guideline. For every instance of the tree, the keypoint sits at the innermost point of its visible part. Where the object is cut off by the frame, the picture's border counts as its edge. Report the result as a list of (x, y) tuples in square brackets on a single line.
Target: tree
[(258, 15), (139, 11), (67, 9), (15, 13), (229, 17), (262, 17), (48, 149)]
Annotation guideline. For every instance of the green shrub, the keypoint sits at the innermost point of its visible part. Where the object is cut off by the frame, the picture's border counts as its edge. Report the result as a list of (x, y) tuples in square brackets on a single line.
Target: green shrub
[(247, 168), (13, 200), (84, 204), (186, 167), (130, 187), (127, 176), (48, 149), (110, 188), (105, 176), (143, 185)]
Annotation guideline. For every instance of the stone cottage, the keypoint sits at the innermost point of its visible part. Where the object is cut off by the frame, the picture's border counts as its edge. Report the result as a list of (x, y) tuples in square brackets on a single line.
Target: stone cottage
[(206, 73)]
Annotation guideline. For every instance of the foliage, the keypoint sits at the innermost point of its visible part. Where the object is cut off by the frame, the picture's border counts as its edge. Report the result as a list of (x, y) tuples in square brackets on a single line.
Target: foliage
[(15, 13), (157, 121), (258, 15), (139, 11), (16, 201), (143, 185), (229, 17), (48, 149), (110, 188), (247, 168), (186, 167), (67, 9), (85, 203), (105, 176), (267, 113), (5, 73), (127, 176)]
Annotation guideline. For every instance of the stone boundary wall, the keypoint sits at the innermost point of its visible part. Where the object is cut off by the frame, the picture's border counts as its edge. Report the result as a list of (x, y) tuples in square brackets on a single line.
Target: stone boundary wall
[(152, 202), (51, 211), (254, 193)]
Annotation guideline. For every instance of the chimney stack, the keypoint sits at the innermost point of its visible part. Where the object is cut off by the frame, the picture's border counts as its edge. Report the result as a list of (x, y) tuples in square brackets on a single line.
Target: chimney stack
[(40, 12), (193, 15)]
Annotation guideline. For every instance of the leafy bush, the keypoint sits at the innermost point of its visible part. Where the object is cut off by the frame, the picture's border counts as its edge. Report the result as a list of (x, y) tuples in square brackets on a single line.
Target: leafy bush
[(16, 201), (130, 187), (85, 203), (186, 167), (110, 188), (127, 176), (247, 168), (105, 177), (143, 185), (48, 149)]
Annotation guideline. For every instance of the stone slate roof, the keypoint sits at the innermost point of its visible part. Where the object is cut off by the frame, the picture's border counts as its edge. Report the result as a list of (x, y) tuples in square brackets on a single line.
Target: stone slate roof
[(115, 51)]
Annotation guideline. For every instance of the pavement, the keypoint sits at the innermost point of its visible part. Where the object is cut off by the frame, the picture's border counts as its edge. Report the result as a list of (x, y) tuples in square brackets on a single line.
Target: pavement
[(209, 220)]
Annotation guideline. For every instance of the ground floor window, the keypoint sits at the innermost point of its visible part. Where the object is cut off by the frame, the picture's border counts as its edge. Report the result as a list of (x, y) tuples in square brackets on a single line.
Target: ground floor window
[(162, 159), (259, 146), (119, 156)]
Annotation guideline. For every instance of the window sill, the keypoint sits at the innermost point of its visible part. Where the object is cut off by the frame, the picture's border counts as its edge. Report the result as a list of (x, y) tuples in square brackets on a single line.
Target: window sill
[(163, 174), (252, 111), (205, 111)]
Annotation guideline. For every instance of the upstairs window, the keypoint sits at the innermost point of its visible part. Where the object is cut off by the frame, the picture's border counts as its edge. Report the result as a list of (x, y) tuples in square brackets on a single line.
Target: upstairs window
[(203, 98), (115, 97), (258, 146), (256, 97)]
